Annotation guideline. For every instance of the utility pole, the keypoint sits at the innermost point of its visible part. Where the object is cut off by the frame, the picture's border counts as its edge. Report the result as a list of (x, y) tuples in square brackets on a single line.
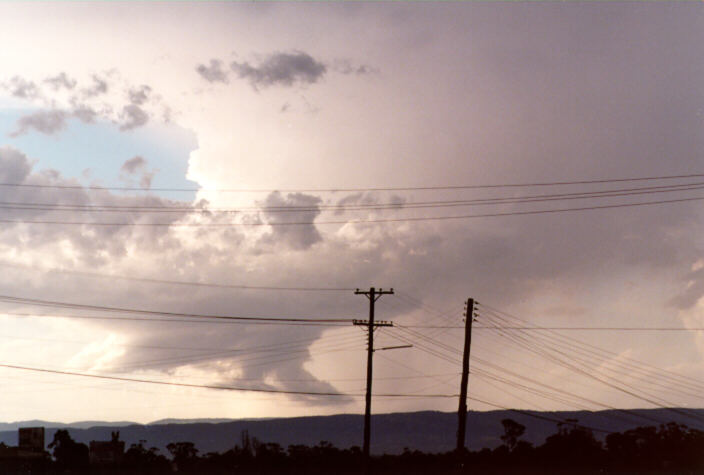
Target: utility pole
[(373, 295), (462, 412)]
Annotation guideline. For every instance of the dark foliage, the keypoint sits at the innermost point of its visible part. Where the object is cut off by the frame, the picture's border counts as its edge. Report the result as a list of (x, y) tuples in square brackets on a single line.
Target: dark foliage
[(670, 448), (68, 453)]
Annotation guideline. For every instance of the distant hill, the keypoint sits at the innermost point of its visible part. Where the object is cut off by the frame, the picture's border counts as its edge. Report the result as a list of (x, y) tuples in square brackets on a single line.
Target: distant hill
[(426, 431)]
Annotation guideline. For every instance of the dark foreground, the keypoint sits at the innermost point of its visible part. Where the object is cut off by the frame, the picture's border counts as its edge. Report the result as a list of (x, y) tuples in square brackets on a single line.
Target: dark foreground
[(671, 448)]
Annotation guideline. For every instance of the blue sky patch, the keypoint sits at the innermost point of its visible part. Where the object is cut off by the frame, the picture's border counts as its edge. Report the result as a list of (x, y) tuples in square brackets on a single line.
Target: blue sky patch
[(95, 153)]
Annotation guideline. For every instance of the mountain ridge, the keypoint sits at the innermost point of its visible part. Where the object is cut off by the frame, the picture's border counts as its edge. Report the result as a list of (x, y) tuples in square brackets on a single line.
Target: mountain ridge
[(428, 431)]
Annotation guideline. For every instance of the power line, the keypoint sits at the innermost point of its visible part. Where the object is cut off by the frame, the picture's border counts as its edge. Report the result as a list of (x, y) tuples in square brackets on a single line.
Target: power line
[(48, 303), (501, 327), (216, 387), (14, 205), (333, 190), (186, 283), (165, 320), (354, 221)]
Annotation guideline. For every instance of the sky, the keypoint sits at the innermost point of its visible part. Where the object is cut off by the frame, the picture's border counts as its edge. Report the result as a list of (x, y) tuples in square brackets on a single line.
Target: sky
[(380, 130)]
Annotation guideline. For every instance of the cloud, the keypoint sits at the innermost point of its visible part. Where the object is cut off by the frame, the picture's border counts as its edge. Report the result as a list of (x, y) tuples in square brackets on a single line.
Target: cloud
[(136, 165), (45, 122), (85, 104), (301, 208), (139, 95), (14, 166), (693, 292), (61, 80), (133, 117), (100, 87), (133, 165), (281, 69), (214, 72), (23, 88), (345, 66), (394, 202), (85, 114)]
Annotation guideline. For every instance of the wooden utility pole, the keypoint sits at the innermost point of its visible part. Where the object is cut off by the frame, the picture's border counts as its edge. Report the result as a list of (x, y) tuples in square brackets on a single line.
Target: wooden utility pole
[(462, 412), (373, 295)]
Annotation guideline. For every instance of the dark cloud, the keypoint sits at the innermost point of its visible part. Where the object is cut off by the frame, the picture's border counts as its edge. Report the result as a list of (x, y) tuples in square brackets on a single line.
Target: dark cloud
[(133, 165), (99, 87), (303, 208), (139, 95), (23, 88), (214, 72), (133, 117), (45, 122), (82, 104), (61, 80), (281, 69)]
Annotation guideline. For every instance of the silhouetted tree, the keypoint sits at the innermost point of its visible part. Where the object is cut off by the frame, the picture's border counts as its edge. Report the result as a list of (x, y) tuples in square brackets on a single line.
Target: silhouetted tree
[(512, 432), (141, 458), (573, 446), (68, 453), (184, 454)]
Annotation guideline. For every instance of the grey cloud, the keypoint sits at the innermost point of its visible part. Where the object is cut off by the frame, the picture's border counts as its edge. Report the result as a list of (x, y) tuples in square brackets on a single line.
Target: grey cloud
[(345, 66), (139, 95), (133, 165), (394, 202), (133, 117), (45, 122), (214, 72), (298, 237), (100, 86), (136, 165), (85, 114), (61, 80), (281, 69), (14, 166), (23, 88)]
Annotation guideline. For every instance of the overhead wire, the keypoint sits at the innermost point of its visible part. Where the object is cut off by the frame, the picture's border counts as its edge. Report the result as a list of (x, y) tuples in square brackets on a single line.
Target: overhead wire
[(618, 385), (399, 205), (348, 189), (78, 306), (632, 363), (350, 221), (215, 387)]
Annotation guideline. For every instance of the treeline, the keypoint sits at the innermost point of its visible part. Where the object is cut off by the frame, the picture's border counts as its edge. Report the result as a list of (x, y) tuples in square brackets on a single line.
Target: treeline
[(669, 448)]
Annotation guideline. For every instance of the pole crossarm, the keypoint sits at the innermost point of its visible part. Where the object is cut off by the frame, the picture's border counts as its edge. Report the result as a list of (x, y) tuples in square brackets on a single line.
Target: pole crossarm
[(374, 294), (378, 323)]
